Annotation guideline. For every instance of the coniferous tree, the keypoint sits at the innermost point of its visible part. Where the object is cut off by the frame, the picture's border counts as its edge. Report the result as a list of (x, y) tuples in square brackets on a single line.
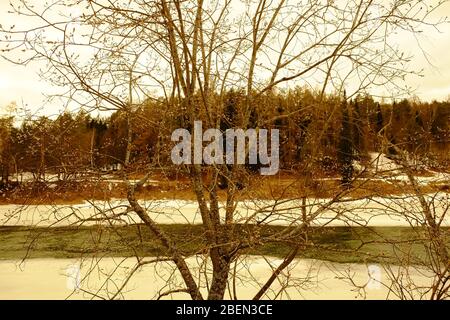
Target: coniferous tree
[(357, 124), (345, 148), (379, 125), (5, 147)]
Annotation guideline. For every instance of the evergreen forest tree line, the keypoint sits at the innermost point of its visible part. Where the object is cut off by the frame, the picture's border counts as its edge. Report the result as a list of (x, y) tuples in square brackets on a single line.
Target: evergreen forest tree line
[(328, 134)]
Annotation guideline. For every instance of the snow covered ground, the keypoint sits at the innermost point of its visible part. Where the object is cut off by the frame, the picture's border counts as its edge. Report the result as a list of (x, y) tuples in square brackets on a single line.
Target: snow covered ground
[(314, 279), (390, 171), (404, 210), (50, 177), (379, 163)]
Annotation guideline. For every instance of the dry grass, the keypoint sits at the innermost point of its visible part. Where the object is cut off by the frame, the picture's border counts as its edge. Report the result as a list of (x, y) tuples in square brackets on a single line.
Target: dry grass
[(281, 186)]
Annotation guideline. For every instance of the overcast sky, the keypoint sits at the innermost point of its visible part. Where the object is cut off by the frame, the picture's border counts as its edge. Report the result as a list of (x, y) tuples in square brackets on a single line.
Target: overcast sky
[(22, 85)]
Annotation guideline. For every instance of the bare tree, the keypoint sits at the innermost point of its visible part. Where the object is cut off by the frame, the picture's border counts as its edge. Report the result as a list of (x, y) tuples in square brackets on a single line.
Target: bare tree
[(185, 55)]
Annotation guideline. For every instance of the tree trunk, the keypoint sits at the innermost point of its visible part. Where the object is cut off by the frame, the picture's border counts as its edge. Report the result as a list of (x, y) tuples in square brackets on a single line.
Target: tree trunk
[(221, 269)]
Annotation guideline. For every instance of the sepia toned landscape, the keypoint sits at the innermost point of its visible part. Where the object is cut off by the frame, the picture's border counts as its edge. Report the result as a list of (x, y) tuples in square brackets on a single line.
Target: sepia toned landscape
[(119, 180)]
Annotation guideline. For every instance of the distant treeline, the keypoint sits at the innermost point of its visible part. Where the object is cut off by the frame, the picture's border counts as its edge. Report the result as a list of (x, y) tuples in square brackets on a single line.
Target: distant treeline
[(313, 129)]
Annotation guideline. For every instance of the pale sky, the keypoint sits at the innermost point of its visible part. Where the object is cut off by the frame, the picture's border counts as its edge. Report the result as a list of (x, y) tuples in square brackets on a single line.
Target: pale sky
[(22, 84)]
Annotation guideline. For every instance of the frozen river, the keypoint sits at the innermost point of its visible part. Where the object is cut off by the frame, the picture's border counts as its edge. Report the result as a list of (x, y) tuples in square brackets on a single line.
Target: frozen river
[(306, 279)]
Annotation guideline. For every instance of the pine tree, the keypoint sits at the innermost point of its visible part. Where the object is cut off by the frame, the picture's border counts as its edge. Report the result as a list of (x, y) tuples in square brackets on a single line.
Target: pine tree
[(379, 119), (345, 148), (358, 131)]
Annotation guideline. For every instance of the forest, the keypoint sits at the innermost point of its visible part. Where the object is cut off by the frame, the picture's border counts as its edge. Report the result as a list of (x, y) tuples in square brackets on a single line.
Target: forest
[(314, 134)]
